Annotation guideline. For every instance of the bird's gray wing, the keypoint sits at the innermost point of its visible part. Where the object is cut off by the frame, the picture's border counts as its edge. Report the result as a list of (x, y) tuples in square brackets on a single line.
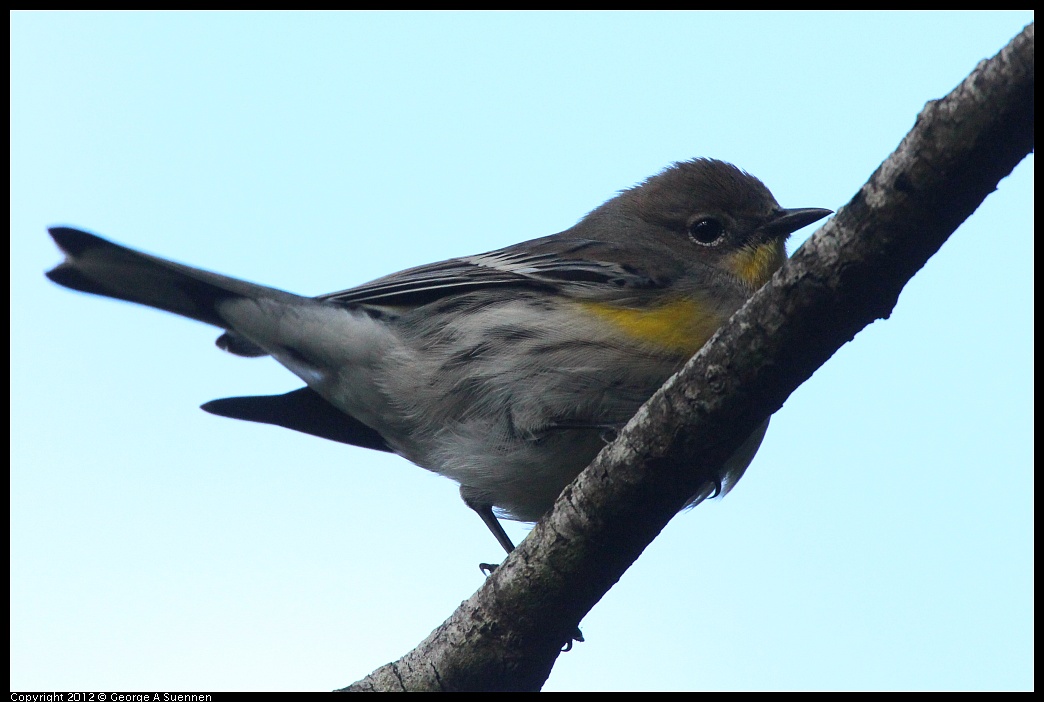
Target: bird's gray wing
[(554, 264), (551, 264)]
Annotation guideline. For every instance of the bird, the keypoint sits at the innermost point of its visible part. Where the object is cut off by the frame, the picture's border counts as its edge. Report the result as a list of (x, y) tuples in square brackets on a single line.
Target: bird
[(506, 371)]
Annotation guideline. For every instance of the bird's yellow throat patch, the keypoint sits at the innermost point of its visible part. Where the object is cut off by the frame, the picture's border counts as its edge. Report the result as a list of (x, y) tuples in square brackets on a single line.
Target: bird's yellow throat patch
[(684, 325), (681, 325), (754, 265)]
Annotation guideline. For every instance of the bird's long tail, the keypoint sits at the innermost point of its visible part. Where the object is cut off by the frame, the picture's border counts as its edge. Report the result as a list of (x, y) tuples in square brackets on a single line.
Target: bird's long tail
[(98, 266)]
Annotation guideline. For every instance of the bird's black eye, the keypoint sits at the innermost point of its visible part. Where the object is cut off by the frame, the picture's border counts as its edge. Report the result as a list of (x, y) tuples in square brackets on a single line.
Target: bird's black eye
[(707, 231)]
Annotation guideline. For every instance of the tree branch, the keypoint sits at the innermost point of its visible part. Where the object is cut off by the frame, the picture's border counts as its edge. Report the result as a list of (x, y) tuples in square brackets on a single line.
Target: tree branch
[(850, 273)]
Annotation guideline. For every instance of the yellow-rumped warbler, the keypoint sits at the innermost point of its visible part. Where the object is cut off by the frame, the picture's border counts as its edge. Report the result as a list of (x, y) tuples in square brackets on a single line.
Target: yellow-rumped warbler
[(504, 371)]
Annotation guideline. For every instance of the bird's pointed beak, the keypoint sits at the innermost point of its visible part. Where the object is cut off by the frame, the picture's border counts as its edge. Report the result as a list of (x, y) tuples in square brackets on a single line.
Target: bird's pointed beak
[(786, 222)]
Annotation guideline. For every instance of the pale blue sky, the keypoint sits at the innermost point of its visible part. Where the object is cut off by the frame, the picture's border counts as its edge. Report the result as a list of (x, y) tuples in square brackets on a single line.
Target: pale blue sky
[(881, 539)]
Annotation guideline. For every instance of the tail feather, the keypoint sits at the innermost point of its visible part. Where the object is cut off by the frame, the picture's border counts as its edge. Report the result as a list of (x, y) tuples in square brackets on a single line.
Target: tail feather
[(100, 267), (302, 410)]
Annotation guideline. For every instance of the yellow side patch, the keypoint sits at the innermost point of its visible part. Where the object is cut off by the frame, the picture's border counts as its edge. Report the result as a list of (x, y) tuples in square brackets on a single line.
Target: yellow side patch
[(756, 264), (681, 325)]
